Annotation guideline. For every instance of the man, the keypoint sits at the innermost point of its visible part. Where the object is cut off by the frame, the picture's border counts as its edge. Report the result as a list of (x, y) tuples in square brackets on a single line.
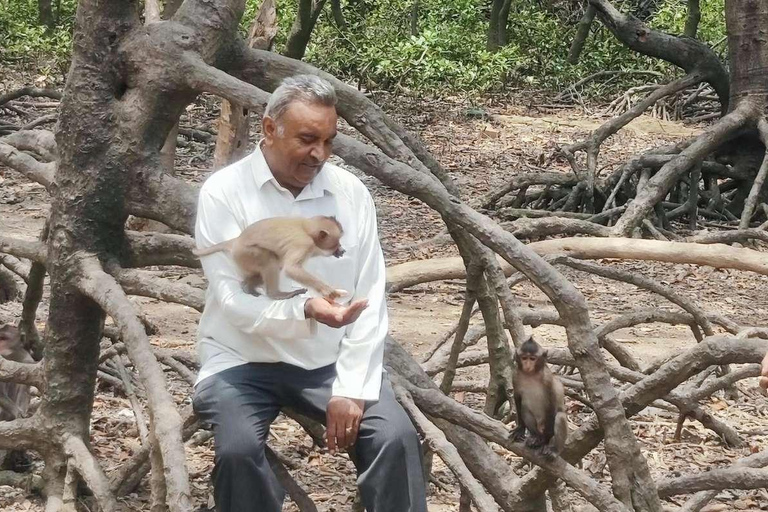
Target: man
[(323, 359)]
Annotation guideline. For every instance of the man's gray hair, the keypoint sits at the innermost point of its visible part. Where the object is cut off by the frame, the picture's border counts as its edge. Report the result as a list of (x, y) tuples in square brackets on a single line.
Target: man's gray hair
[(307, 88)]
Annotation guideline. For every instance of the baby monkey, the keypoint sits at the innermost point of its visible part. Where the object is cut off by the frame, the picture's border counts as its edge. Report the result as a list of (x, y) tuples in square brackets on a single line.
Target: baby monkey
[(283, 243), (539, 400)]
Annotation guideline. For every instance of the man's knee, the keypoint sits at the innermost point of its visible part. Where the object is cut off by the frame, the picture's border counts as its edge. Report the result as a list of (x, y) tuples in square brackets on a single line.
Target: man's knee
[(237, 450), (398, 435)]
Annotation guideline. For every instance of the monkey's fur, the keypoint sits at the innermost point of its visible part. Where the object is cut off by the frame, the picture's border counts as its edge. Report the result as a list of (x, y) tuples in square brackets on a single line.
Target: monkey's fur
[(539, 400), (14, 398), (267, 246)]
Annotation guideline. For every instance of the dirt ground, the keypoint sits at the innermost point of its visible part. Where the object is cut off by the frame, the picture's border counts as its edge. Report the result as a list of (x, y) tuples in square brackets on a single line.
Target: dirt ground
[(480, 155)]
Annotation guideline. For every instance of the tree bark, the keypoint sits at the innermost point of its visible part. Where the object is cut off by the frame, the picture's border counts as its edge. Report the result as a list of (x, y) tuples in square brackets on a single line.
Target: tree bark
[(46, 17), (504, 23), (582, 32), (493, 42), (692, 21), (303, 25)]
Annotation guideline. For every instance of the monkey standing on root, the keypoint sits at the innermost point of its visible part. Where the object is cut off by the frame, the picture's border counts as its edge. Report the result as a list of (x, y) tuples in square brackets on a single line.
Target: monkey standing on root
[(539, 400), (267, 246)]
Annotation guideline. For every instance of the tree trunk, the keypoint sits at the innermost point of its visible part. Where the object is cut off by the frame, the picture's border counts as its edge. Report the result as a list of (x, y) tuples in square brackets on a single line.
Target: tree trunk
[(493, 25), (694, 16), (338, 14), (504, 23), (234, 120), (303, 25), (582, 32), (414, 18), (45, 9)]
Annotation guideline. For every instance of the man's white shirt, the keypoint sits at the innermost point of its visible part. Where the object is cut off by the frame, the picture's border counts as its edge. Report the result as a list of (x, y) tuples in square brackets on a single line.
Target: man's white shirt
[(238, 328)]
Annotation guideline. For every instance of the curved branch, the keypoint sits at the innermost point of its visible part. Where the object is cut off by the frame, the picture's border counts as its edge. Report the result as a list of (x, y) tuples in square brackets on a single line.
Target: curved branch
[(104, 290), (435, 403), (35, 92), (31, 374), (659, 185), (687, 53), (446, 451), (715, 479), (88, 468), (625, 459), (30, 250), (39, 172), (643, 282), (41, 142)]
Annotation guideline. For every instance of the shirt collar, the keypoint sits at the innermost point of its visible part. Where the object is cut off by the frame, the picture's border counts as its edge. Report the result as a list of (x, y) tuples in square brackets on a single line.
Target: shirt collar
[(262, 174)]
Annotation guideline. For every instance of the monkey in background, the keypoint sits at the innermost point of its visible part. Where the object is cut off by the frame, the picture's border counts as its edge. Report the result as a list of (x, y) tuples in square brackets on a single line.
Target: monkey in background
[(14, 398), (270, 245), (539, 400)]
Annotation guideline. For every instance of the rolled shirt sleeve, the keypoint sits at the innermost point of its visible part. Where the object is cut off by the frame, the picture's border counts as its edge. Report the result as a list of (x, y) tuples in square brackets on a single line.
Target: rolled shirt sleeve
[(360, 362)]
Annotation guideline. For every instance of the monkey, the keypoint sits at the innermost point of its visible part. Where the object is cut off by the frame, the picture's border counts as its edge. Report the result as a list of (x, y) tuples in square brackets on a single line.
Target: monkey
[(14, 398), (539, 400), (269, 245)]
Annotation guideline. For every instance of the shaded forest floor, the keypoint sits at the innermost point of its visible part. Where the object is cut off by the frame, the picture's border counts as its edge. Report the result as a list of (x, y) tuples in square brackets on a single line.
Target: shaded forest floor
[(481, 154)]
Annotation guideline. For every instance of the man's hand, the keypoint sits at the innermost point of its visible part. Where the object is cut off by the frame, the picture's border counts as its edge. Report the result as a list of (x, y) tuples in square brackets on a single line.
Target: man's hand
[(332, 314), (343, 417), (764, 373)]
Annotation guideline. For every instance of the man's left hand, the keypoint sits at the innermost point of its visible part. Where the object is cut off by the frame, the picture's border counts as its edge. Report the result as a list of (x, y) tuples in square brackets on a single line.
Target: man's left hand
[(343, 417)]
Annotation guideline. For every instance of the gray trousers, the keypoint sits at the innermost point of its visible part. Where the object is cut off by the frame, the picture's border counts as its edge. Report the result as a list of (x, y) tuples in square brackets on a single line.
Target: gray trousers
[(240, 404)]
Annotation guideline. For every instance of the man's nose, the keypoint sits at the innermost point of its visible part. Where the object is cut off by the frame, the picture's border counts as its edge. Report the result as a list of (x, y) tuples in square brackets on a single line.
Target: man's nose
[(320, 152)]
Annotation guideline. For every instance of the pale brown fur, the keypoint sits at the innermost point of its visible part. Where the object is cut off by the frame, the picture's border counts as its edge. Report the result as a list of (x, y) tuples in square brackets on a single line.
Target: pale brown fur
[(267, 246), (539, 400), (14, 398)]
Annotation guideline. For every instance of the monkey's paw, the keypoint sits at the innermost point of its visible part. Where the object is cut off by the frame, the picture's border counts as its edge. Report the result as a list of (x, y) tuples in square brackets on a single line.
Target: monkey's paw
[(534, 442), (548, 452), (518, 434), (335, 294)]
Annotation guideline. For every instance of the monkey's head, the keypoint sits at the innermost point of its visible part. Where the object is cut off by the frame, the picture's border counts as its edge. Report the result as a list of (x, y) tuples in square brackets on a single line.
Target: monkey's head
[(9, 340), (329, 235), (530, 356)]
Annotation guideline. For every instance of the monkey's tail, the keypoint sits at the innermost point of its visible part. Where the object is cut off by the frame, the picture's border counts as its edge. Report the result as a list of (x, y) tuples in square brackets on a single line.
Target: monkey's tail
[(223, 246)]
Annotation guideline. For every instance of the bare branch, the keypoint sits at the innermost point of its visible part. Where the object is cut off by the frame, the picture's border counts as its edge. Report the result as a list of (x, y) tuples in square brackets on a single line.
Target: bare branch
[(30, 91), (447, 452), (149, 249), (145, 284), (39, 172), (104, 290), (88, 468)]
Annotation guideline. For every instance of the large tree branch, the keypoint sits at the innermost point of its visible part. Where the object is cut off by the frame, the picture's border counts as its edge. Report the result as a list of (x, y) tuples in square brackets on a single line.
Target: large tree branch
[(93, 476), (687, 53), (450, 455), (412, 273), (104, 290), (39, 172), (145, 284)]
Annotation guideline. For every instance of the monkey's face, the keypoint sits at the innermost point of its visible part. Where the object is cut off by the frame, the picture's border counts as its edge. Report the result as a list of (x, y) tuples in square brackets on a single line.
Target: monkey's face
[(297, 145), (528, 363), (9, 339), (329, 240)]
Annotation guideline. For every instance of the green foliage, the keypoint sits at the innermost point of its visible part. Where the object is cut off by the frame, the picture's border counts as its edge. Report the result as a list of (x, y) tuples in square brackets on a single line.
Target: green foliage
[(446, 56), (22, 38), (671, 18)]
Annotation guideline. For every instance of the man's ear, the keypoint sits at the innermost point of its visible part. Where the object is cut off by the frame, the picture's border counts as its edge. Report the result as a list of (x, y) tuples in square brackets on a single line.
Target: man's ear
[(323, 234), (269, 129)]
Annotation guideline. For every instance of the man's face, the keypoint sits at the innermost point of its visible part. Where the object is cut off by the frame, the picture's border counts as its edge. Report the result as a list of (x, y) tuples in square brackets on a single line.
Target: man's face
[(298, 144)]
